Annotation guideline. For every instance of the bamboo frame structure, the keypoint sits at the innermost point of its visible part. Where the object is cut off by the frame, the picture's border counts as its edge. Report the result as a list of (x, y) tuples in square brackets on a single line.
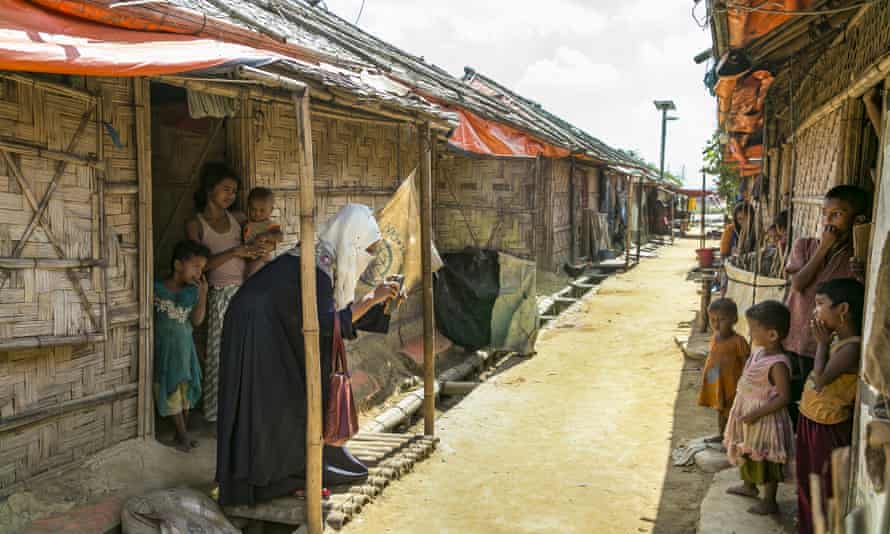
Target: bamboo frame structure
[(628, 194), (426, 238), (142, 103), (314, 441)]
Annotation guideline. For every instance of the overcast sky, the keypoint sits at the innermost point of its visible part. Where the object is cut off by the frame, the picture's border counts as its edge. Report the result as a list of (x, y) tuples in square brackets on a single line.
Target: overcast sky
[(597, 63)]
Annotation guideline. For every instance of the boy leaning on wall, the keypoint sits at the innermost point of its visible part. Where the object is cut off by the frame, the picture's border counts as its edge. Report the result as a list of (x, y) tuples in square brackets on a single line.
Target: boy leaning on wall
[(814, 261)]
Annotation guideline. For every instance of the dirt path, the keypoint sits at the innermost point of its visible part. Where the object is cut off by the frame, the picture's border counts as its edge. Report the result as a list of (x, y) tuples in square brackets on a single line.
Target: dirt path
[(578, 438)]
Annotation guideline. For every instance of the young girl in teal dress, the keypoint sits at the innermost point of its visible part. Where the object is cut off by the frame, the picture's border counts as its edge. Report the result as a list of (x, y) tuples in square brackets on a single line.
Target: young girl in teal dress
[(180, 304)]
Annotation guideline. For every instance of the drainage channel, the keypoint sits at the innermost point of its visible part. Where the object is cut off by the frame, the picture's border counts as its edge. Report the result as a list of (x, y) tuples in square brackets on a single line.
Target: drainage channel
[(549, 308)]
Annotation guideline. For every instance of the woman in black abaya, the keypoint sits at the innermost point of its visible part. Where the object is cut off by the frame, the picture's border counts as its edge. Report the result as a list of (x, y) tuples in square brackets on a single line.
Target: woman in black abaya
[(261, 450)]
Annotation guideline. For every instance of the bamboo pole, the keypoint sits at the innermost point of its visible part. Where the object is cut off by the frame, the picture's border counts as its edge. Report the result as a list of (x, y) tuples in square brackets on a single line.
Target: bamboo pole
[(55, 155), (53, 183), (142, 103), (310, 317), (39, 342), (43, 413), (101, 177), (426, 238), (48, 264), (627, 200), (572, 214), (50, 86), (44, 222), (193, 176)]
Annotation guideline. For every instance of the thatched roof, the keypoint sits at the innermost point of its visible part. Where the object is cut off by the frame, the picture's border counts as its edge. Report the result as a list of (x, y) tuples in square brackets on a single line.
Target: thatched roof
[(352, 50), (555, 126)]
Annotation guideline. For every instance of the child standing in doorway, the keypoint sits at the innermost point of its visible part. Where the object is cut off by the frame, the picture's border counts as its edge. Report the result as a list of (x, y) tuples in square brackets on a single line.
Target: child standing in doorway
[(826, 409), (218, 227), (180, 304), (758, 433), (261, 230), (725, 362)]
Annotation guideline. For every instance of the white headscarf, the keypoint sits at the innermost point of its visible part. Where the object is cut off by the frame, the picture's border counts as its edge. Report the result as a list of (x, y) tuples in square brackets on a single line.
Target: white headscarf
[(342, 246)]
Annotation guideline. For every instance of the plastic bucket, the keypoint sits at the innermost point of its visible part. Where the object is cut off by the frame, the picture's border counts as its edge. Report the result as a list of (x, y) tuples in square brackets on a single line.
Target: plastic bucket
[(705, 257)]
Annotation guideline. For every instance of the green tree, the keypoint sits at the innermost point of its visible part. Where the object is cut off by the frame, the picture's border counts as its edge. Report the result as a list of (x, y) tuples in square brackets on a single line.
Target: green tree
[(727, 178)]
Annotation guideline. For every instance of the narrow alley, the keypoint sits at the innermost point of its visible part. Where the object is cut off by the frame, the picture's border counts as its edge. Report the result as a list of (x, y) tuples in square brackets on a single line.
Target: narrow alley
[(578, 438)]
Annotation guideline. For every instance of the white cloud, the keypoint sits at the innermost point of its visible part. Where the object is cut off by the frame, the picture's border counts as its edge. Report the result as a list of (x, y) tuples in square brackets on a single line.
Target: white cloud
[(568, 70), (597, 63)]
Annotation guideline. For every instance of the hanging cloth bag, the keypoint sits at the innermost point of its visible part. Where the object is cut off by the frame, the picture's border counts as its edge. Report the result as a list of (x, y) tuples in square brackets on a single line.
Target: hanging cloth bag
[(341, 419)]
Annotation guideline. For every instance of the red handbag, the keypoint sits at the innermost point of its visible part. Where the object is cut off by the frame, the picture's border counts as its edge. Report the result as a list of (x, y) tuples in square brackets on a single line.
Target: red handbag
[(341, 419)]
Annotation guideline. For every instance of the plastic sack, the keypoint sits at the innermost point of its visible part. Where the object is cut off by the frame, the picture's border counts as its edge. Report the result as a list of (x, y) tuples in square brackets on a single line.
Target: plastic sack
[(174, 511)]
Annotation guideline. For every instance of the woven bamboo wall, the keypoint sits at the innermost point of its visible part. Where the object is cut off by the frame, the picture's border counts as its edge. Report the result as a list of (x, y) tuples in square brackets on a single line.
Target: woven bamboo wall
[(837, 66), (818, 152), (354, 162), (485, 202), (177, 145), (37, 302), (560, 231)]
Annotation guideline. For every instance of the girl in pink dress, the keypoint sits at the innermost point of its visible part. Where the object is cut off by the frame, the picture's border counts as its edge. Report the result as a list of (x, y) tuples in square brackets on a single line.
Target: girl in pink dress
[(759, 433)]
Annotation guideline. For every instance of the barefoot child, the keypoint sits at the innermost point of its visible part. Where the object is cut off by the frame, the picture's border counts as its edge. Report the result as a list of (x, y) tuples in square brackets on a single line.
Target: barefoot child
[(219, 229), (180, 302), (758, 434), (826, 409), (261, 229), (725, 362)]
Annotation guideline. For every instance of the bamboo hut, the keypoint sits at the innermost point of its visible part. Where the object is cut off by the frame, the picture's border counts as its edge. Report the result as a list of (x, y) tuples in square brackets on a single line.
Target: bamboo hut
[(823, 122), (95, 180), (542, 200)]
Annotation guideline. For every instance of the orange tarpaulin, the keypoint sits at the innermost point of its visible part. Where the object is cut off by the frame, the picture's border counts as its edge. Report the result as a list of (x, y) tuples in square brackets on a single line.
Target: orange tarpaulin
[(756, 18), (37, 40), (743, 156), (479, 136)]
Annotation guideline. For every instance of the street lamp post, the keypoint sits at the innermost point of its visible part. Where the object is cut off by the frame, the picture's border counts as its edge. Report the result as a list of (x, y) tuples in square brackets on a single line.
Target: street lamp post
[(664, 106)]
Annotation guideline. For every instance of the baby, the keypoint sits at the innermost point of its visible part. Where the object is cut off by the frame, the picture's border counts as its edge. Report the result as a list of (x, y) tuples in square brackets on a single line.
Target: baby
[(260, 229)]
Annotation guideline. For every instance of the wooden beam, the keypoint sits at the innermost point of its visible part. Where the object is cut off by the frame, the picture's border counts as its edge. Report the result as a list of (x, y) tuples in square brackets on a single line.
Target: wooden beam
[(311, 338), (426, 238)]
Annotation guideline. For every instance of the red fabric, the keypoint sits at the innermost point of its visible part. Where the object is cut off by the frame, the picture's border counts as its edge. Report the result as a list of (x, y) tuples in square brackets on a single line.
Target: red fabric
[(480, 136), (813, 455), (37, 40)]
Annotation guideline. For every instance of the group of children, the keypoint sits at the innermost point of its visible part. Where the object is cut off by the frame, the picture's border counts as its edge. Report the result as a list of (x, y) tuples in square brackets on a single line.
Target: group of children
[(801, 365), (228, 247)]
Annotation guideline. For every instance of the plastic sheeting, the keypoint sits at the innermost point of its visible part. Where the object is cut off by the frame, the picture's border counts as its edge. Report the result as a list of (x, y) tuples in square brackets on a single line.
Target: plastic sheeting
[(514, 318), (178, 510), (38, 40), (466, 290), (479, 136), (745, 25), (487, 299)]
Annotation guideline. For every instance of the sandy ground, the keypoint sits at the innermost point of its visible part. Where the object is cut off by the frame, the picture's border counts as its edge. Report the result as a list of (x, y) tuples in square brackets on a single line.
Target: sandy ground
[(578, 438)]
